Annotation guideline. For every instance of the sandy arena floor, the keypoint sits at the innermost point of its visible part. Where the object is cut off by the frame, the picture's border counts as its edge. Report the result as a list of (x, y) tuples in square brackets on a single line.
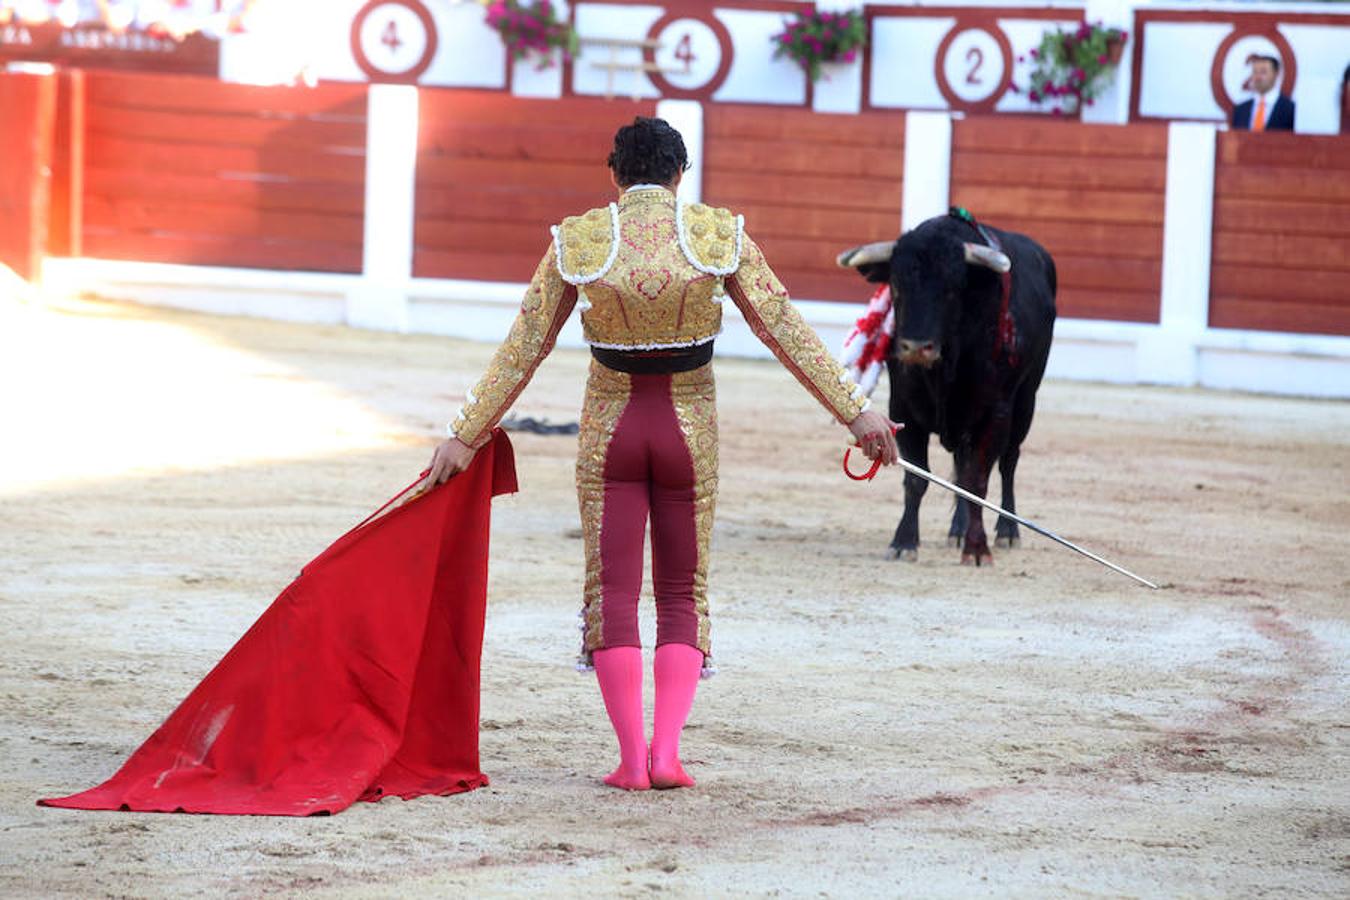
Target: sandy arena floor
[(1044, 728)]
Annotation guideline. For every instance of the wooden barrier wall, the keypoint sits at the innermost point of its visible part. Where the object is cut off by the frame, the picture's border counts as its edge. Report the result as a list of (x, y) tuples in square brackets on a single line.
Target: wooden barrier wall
[(184, 169), (809, 185), (27, 120), (495, 171), (190, 170), (66, 217), (1281, 259), (1090, 194)]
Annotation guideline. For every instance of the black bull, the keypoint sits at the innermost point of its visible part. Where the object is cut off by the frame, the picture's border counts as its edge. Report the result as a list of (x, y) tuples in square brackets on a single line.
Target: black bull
[(969, 351)]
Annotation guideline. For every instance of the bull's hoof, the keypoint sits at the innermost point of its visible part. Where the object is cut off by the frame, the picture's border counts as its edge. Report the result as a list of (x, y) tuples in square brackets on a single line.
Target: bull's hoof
[(955, 540), (977, 559), (1008, 541), (905, 554)]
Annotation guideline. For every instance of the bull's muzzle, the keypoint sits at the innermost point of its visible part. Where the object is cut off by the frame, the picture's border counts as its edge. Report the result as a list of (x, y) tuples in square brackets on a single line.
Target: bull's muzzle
[(918, 353)]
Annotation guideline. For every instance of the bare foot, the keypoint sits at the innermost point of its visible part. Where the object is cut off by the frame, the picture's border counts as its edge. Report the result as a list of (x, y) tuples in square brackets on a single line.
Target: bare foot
[(629, 781), (669, 775)]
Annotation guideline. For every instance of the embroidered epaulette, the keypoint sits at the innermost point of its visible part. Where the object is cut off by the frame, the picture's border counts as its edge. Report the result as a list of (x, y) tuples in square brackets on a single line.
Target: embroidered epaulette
[(586, 246), (710, 237)]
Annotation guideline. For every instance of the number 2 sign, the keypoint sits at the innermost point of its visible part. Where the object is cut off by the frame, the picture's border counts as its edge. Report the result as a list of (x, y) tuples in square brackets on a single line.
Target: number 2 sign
[(974, 67), (974, 56)]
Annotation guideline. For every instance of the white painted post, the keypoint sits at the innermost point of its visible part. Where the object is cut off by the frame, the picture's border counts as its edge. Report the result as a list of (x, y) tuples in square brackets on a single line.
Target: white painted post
[(1113, 106), (686, 117), (928, 167), (380, 298), (840, 88), (1168, 354), (528, 79)]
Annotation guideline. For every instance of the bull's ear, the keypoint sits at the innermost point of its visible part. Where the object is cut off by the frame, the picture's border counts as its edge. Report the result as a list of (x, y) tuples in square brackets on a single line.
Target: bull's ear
[(873, 261), (876, 273)]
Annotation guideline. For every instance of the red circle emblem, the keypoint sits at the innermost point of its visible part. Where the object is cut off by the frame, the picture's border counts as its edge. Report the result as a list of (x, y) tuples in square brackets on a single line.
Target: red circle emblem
[(400, 70), (705, 90), (1288, 63)]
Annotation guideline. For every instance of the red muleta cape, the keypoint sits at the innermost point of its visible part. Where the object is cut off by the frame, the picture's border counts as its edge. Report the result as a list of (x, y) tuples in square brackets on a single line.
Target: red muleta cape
[(358, 682)]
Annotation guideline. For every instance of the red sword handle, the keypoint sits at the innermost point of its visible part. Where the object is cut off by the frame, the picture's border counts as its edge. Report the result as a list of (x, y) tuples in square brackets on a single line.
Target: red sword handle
[(871, 472), (866, 476)]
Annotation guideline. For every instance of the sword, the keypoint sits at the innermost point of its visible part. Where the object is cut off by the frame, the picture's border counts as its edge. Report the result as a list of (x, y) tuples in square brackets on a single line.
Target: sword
[(992, 507)]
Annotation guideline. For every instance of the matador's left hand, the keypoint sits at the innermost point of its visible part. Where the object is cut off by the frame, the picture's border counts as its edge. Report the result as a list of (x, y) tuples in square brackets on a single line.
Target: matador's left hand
[(452, 456)]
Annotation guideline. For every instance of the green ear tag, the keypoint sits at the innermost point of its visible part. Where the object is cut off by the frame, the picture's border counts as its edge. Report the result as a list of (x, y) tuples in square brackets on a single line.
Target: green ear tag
[(962, 213)]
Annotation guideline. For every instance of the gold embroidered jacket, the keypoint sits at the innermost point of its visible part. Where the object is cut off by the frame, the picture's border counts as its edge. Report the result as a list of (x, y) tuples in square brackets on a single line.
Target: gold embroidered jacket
[(650, 273)]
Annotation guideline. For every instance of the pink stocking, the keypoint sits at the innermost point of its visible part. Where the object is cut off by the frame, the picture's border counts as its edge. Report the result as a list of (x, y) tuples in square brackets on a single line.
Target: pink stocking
[(677, 670), (619, 671)]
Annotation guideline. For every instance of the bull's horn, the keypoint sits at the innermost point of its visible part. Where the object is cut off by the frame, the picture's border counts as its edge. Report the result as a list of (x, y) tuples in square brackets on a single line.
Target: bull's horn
[(867, 253), (980, 255)]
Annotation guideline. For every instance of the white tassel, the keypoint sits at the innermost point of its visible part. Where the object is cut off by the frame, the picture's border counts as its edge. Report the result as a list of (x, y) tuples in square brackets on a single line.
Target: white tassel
[(583, 663), (657, 346), (869, 379), (853, 349)]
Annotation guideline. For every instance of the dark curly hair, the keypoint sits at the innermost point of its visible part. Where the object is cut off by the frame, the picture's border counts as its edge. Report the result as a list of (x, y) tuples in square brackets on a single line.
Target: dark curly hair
[(647, 152)]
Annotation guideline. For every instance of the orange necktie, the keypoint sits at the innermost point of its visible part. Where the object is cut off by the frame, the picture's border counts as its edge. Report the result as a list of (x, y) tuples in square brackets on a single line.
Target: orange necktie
[(1259, 120)]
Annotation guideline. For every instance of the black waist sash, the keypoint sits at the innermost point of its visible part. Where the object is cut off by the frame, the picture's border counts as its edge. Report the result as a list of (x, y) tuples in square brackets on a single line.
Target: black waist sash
[(654, 362)]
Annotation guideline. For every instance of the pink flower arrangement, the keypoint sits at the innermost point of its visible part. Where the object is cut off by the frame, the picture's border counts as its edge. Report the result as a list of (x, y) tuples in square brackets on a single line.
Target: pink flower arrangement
[(1073, 67), (532, 29), (818, 37)]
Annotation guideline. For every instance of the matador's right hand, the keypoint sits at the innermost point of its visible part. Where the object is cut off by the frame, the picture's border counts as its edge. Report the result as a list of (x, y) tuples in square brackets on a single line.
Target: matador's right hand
[(452, 456), (876, 436)]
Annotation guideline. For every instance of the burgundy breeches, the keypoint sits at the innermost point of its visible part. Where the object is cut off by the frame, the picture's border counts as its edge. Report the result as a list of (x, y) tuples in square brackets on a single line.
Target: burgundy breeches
[(648, 448)]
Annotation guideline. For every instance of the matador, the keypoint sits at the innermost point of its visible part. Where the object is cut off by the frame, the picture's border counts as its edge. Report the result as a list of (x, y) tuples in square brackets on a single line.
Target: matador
[(650, 275)]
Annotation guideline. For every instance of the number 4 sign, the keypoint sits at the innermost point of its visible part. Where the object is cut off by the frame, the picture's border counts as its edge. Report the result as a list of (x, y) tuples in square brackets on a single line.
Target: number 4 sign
[(692, 56), (394, 40), (390, 37), (684, 52)]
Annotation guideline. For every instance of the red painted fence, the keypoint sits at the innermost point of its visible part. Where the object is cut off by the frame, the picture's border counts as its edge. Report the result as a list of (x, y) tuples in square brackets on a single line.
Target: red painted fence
[(1281, 259), (1090, 194), (809, 185), (494, 172), (27, 120), (191, 170)]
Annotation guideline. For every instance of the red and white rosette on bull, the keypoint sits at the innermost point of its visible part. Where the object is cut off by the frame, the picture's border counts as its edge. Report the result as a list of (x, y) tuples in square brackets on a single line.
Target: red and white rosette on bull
[(865, 348)]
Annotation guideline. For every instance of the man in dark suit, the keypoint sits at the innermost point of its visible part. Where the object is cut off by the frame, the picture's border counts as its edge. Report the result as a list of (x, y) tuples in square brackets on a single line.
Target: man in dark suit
[(1269, 110)]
